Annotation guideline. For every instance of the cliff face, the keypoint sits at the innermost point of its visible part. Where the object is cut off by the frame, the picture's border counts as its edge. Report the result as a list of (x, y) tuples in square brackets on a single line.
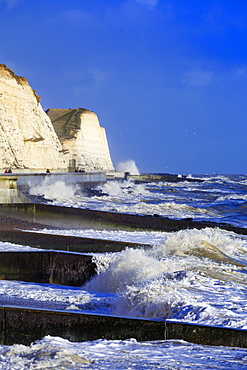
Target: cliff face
[(82, 138), (27, 136)]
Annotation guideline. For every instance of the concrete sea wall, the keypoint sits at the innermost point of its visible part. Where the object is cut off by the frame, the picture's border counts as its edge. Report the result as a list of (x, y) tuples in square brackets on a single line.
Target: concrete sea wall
[(25, 325), (65, 242), (84, 218), (51, 267), (15, 188)]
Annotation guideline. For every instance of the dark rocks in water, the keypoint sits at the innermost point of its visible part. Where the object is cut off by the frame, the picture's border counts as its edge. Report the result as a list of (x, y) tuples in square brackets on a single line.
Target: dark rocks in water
[(155, 177), (94, 192)]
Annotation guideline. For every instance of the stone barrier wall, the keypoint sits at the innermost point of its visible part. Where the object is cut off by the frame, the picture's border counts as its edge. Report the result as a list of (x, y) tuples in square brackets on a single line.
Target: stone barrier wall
[(25, 325), (47, 267), (65, 242), (84, 218)]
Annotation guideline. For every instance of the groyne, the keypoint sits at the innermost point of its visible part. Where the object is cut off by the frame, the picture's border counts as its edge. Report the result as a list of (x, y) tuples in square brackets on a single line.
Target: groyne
[(160, 177), (53, 267), (65, 242), (68, 217), (25, 325)]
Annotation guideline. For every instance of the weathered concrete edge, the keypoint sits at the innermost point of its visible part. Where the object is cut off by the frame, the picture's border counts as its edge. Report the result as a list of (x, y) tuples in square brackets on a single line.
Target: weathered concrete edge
[(25, 325), (65, 242), (51, 267), (69, 217)]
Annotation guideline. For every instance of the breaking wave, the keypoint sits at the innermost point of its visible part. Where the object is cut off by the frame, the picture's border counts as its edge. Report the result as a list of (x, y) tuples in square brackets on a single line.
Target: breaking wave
[(54, 190), (170, 280), (128, 166)]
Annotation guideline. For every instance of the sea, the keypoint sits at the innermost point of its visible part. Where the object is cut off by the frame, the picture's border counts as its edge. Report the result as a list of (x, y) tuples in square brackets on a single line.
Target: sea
[(191, 276)]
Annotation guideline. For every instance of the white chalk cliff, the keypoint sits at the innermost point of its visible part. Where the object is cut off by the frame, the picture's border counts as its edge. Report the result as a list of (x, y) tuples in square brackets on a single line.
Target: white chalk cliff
[(82, 138), (28, 139), (27, 136)]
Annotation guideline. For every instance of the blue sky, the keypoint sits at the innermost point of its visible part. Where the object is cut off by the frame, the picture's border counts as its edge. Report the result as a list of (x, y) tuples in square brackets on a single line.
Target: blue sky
[(167, 79)]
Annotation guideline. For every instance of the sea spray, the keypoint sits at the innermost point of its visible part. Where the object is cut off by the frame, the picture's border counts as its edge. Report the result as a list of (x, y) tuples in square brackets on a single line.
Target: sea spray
[(115, 188), (123, 188), (127, 268), (187, 242), (194, 288), (128, 166), (54, 190), (217, 198), (180, 279), (157, 282)]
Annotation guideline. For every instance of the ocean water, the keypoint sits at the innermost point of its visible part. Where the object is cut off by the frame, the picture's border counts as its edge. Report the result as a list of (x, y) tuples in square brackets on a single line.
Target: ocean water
[(193, 276), (220, 198)]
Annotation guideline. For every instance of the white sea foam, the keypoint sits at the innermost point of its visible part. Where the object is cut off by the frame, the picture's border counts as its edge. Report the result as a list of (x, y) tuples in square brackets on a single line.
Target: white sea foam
[(128, 267), (196, 276), (177, 279), (168, 200), (54, 190), (142, 237), (165, 209), (50, 353), (232, 197), (5, 246), (58, 353), (43, 293)]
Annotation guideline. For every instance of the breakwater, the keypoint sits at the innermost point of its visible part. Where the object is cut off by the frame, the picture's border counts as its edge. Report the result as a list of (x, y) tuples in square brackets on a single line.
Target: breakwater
[(25, 325), (65, 242), (53, 267), (157, 177), (58, 216)]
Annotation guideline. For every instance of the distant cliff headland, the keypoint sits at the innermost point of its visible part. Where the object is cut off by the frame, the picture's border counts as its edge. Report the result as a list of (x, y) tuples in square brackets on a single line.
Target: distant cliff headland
[(58, 139)]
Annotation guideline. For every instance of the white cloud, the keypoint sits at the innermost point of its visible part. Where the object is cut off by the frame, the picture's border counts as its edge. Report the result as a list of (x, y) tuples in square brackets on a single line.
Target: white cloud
[(198, 77), (150, 3)]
